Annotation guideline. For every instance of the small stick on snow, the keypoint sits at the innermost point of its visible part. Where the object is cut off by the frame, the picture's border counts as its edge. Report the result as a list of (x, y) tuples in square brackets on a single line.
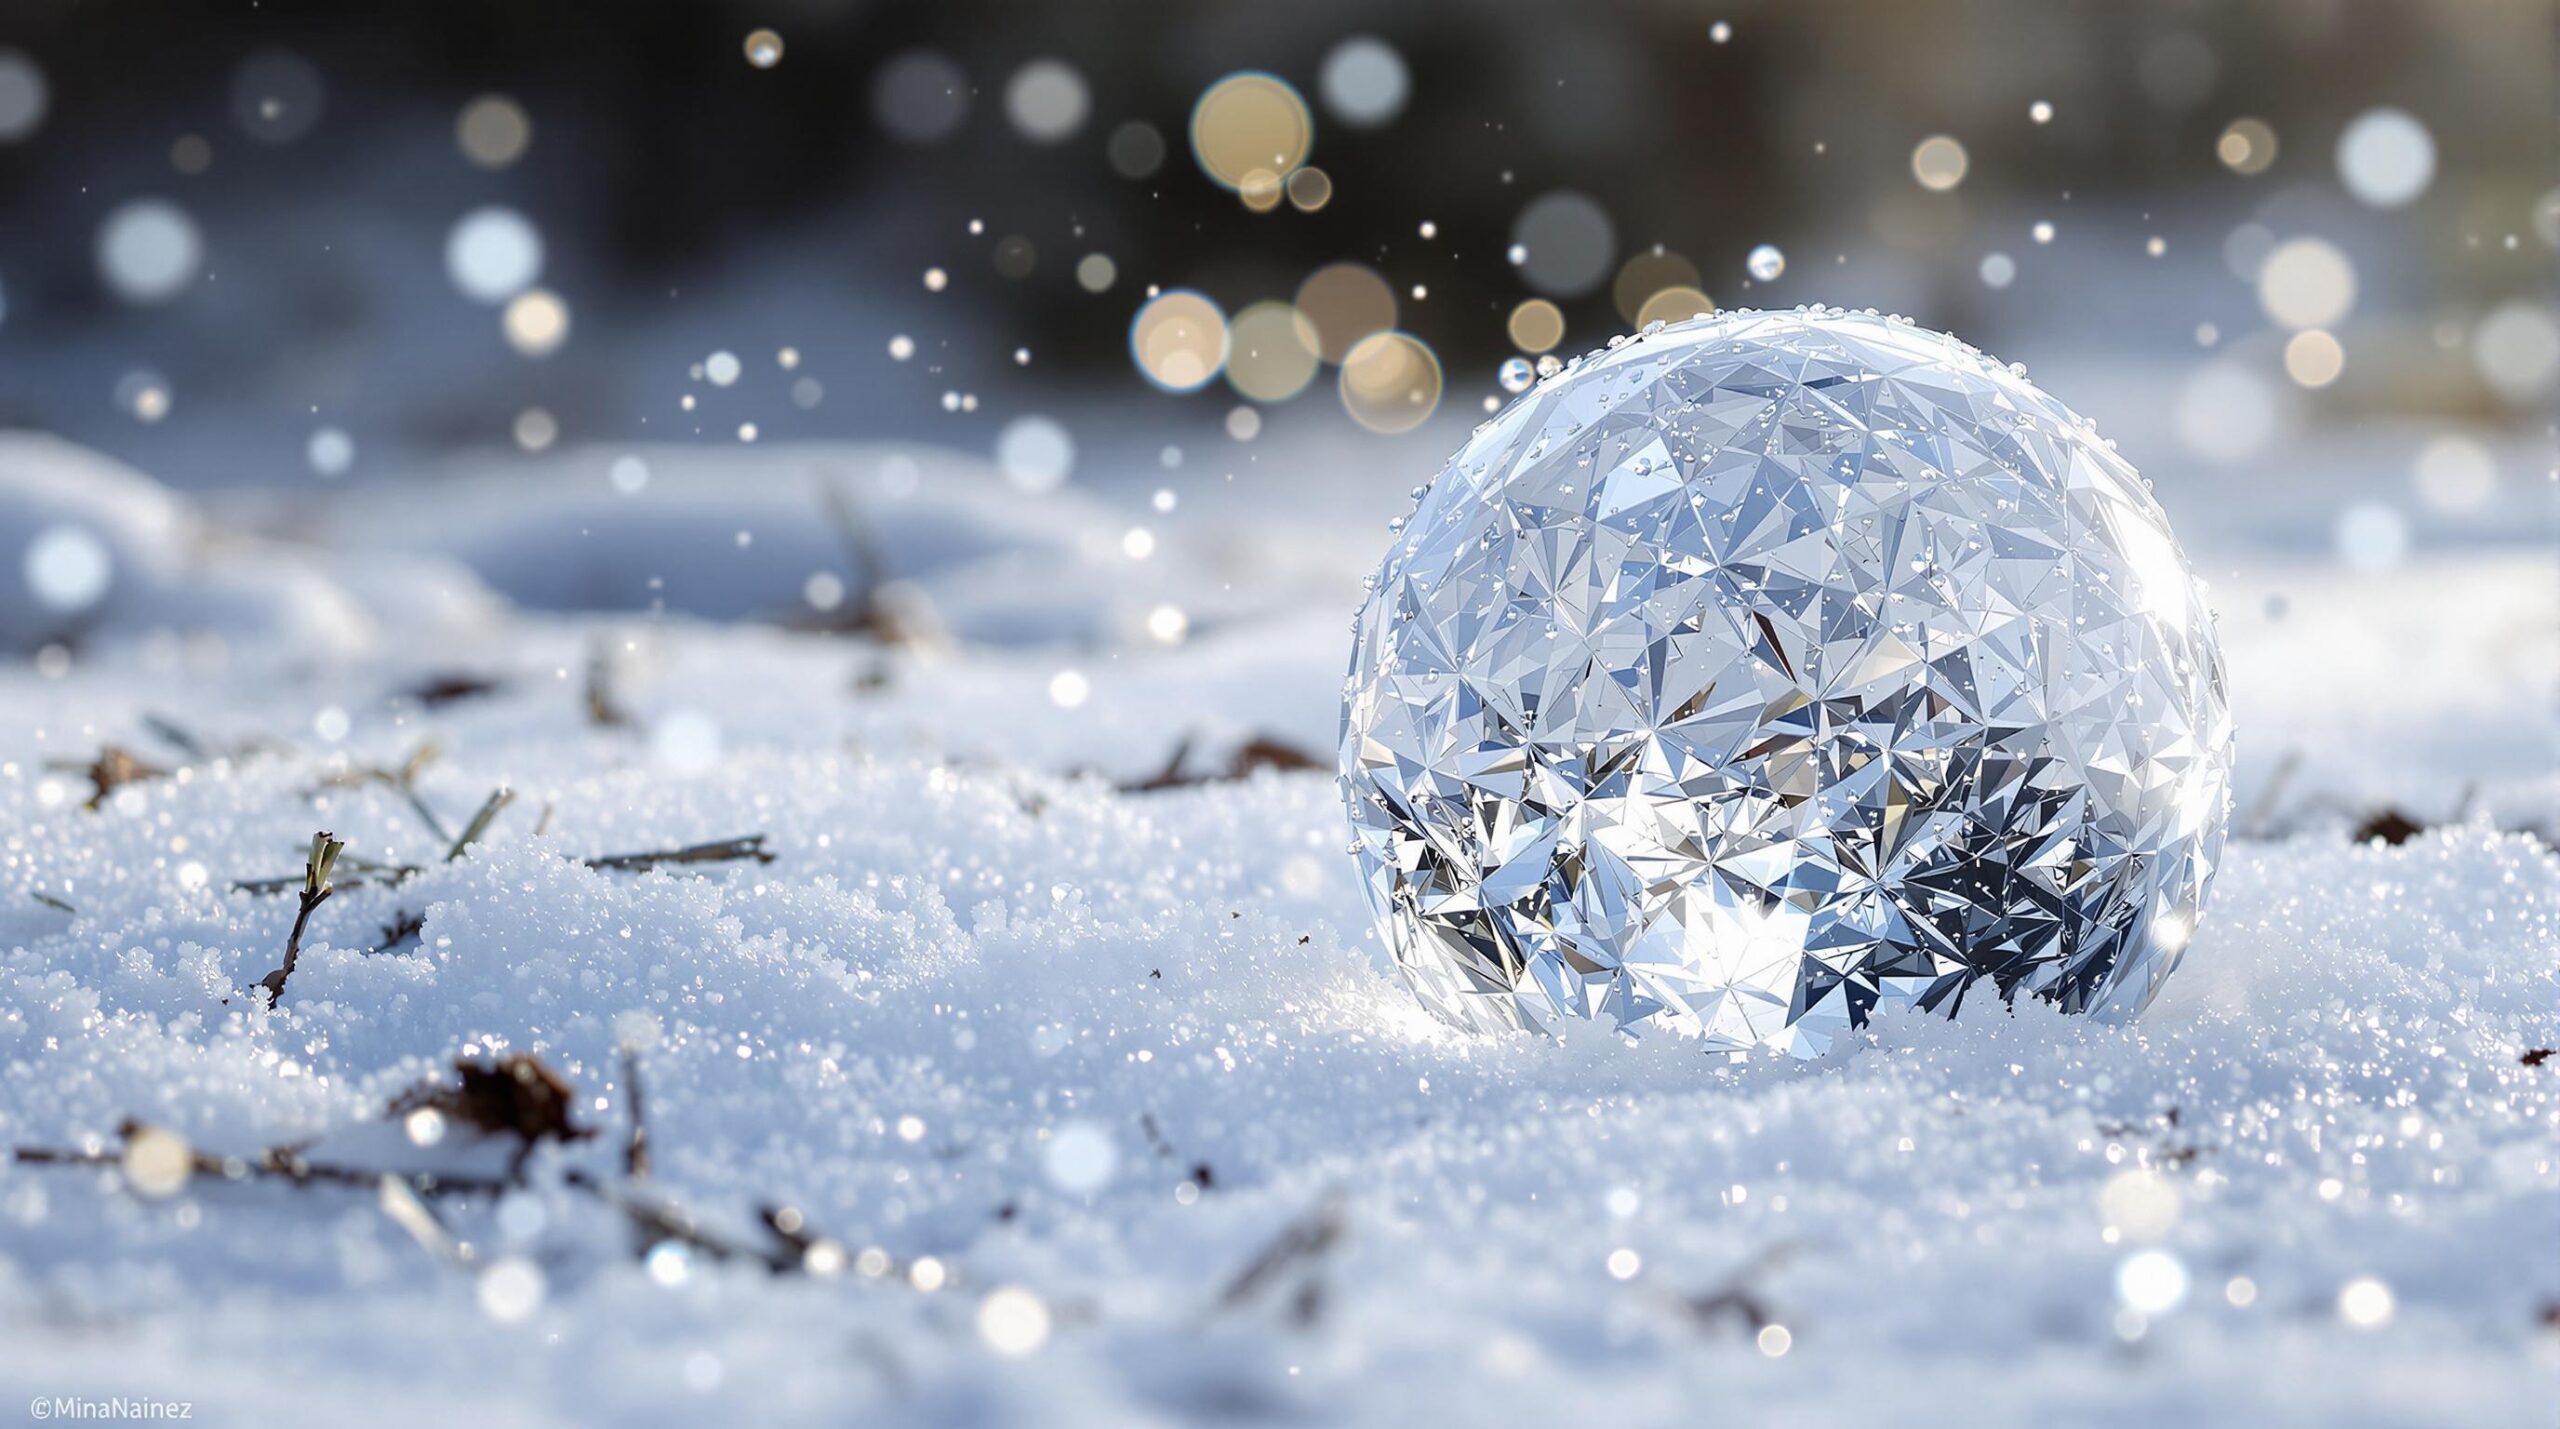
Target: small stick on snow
[(866, 613), (635, 1153), (1305, 1241), (403, 928), (410, 1212), (446, 688), (177, 736), (719, 851), (1169, 777), (406, 781), (603, 710), (279, 1163), (52, 902), (1737, 1298), (523, 1098), (316, 889), (787, 1225), (2262, 810), (370, 874), (400, 782), (653, 1222), (471, 832), (403, 781)]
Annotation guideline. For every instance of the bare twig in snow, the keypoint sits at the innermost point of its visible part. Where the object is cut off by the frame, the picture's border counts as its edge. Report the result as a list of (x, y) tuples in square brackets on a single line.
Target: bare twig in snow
[(653, 1221), (316, 889), (635, 1152), (177, 736), (2262, 810), (367, 874), (1168, 777), (52, 902), (1202, 1175), (450, 686), (1736, 1298), (278, 1163), (1301, 1246), (2167, 1149), (471, 832), (404, 782), (603, 710), (404, 927), (370, 874), (410, 1212), (862, 549), (718, 851), (787, 1225), (890, 612), (863, 611), (521, 1097)]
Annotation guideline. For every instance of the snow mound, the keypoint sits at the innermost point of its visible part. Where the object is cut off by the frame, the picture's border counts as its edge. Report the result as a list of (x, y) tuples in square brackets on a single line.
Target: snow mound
[(95, 551), (740, 535)]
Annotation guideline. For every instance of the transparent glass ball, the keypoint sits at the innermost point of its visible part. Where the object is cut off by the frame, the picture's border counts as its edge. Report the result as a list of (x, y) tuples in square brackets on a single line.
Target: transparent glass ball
[(1772, 666)]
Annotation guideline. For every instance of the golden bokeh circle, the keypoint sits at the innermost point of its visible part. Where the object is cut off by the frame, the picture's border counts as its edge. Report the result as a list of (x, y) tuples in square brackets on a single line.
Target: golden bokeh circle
[(2247, 146), (1179, 341), (1646, 274), (1271, 352), (1536, 325), (536, 322), (1260, 190), (1346, 302), (1674, 304), (1390, 382), (1249, 121), (2313, 358), (493, 131), (1939, 163), (1310, 188)]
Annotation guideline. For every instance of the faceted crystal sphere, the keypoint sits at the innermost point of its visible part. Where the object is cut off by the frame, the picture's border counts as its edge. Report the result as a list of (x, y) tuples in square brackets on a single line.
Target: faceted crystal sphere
[(1771, 666)]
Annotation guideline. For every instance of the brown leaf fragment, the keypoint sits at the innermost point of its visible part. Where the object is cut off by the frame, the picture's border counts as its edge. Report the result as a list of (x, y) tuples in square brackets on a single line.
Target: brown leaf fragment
[(2389, 825), (114, 768), (517, 1095), (1255, 754), (450, 687)]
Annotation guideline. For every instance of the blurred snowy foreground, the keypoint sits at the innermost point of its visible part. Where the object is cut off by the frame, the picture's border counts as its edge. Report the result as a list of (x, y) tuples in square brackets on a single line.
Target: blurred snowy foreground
[(1007, 1091)]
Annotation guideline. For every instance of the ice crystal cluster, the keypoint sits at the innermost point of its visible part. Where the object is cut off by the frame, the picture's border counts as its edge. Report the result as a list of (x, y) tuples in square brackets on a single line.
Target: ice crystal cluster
[(1770, 666)]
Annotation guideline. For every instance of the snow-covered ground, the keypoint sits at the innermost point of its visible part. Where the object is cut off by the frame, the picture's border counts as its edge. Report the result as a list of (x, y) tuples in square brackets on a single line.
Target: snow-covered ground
[(1102, 1101)]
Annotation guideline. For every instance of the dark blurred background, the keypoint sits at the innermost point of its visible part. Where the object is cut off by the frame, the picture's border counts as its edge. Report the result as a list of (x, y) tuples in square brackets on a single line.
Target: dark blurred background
[(690, 200)]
